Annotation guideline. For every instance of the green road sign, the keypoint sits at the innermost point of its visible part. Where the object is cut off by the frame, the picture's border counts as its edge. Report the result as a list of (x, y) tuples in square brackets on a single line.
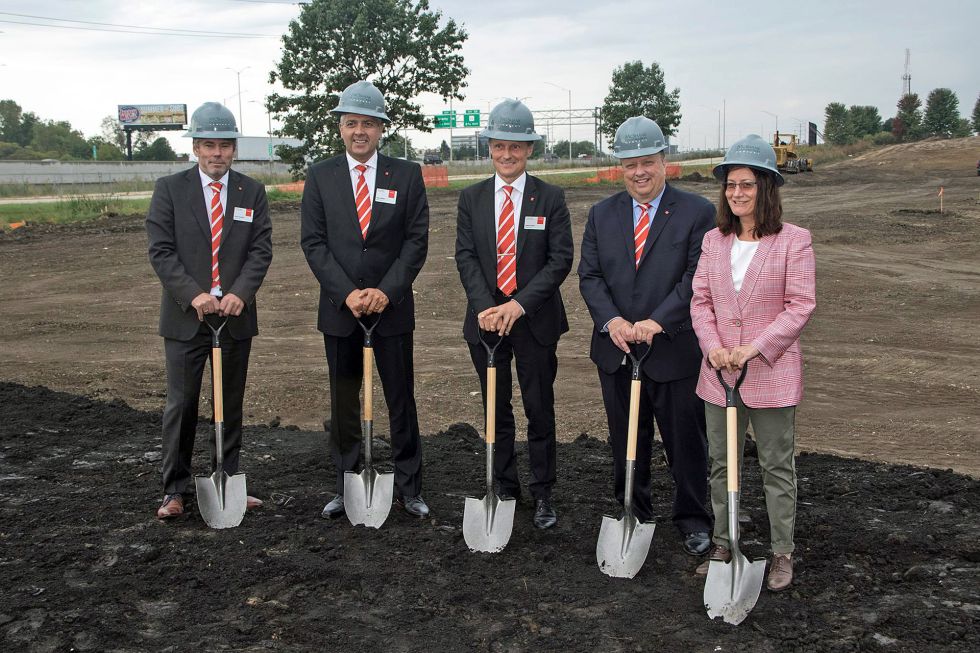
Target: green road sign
[(445, 120), (471, 118)]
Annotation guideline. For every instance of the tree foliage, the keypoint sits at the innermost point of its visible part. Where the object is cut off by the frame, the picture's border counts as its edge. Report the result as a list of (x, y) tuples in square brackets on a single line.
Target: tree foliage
[(865, 120), (113, 132), (837, 129), (578, 147), (942, 117), (640, 91), (398, 45), (16, 126), (394, 145), (976, 116), (158, 150), (907, 125)]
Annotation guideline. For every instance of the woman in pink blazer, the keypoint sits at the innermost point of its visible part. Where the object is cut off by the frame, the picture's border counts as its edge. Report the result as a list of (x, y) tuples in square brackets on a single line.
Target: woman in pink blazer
[(754, 291)]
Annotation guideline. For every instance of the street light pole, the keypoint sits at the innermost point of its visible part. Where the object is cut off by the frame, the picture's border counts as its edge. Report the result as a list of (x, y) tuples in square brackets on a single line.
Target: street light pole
[(241, 117)]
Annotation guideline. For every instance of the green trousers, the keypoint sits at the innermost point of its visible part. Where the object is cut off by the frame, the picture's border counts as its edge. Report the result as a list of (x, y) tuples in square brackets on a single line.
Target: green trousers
[(774, 433)]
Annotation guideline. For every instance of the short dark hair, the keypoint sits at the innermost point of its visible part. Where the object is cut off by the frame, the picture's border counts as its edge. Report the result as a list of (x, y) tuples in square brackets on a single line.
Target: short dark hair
[(768, 206)]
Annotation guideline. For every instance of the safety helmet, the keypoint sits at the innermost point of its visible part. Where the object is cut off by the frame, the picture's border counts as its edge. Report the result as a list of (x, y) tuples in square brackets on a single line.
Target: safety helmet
[(213, 120), (362, 98), (511, 121), (638, 136), (750, 152)]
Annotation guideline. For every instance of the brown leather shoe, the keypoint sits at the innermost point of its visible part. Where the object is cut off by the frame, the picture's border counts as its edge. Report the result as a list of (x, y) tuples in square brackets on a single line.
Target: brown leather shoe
[(718, 552), (780, 572), (172, 506), (252, 503)]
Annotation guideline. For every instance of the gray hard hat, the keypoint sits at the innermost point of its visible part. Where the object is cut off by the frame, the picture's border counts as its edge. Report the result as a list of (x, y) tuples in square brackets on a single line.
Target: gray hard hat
[(638, 136), (362, 98), (749, 152), (213, 120), (511, 121)]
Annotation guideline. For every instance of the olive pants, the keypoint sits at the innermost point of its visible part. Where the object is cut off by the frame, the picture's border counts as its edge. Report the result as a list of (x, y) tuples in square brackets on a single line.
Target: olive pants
[(774, 433)]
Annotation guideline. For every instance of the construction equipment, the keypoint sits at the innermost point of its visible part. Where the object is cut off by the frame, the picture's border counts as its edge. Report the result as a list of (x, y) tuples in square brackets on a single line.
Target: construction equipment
[(787, 159)]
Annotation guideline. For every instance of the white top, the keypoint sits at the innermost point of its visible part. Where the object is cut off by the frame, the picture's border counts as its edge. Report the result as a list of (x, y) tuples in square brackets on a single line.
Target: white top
[(516, 196), (369, 175), (742, 253)]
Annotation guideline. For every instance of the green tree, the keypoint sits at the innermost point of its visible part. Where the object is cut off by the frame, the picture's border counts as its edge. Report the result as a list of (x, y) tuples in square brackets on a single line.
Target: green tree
[(106, 151), (942, 115), (907, 125), (837, 129), (158, 150), (394, 145), (15, 125), (887, 125), (112, 132), (58, 140), (976, 116), (444, 151), (640, 91), (396, 44), (865, 120)]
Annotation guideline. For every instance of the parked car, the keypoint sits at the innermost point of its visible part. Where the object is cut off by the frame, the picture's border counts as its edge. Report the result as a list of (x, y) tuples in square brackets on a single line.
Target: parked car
[(549, 157), (432, 158)]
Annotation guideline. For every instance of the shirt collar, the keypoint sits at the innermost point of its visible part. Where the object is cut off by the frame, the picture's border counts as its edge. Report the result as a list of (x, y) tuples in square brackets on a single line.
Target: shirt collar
[(654, 203), (371, 163), (518, 184), (205, 180)]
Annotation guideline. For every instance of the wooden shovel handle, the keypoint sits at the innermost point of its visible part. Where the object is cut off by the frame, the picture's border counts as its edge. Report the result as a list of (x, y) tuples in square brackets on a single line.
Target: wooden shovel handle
[(491, 405), (219, 403), (368, 384), (731, 415), (634, 422)]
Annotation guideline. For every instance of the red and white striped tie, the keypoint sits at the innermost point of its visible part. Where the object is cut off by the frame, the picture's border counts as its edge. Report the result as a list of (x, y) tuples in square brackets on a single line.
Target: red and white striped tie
[(217, 219), (362, 199), (640, 232), (507, 247)]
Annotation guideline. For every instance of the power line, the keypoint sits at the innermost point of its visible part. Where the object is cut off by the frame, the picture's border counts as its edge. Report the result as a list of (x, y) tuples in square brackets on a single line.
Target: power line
[(181, 31), (145, 33)]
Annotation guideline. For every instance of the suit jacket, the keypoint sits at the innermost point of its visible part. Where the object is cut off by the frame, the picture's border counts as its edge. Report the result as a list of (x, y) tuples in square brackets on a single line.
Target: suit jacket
[(660, 289), (342, 261), (777, 297), (544, 257), (179, 231)]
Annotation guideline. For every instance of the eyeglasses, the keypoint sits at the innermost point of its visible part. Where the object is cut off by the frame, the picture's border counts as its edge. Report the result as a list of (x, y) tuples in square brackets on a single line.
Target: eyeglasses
[(745, 186)]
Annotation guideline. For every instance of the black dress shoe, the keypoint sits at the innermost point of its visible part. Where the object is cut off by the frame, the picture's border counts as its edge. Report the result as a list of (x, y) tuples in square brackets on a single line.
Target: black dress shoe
[(415, 506), (335, 508), (696, 543), (544, 514)]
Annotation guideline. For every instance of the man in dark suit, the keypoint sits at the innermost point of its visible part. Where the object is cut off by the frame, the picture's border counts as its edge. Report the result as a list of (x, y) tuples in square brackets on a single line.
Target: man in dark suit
[(639, 253), (513, 250), (211, 244), (365, 230)]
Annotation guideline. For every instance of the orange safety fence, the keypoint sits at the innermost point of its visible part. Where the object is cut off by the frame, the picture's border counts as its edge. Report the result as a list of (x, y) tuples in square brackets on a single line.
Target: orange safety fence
[(435, 176), (295, 187), (615, 174)]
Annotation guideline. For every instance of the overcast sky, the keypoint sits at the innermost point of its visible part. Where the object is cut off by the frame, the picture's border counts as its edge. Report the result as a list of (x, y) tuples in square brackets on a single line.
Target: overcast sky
[(758, 59)]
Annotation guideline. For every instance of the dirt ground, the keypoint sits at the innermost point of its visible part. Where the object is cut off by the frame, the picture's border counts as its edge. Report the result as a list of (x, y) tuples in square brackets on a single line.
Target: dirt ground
[(888, 554), (891, 357)]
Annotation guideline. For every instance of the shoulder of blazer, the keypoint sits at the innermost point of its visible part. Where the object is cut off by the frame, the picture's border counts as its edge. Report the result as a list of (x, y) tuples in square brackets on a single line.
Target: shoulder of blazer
[(541, 187), (235, 177), (611, 202), (478, 187), (327, 164), (672, 194), (795, 232)]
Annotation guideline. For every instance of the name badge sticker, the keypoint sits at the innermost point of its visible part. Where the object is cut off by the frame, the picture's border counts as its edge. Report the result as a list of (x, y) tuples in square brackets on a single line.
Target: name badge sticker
[(243, 215), (385, 196), (536, 222)]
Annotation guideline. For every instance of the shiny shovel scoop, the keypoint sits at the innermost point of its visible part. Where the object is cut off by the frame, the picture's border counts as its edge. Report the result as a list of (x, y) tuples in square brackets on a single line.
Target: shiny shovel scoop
[(733, 587), (623, 545), (367, 497), (488, 522), (221, 499)]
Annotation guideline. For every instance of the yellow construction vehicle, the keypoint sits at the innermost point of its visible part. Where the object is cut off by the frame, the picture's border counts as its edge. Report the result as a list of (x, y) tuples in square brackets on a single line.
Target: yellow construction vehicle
[(787, 159)]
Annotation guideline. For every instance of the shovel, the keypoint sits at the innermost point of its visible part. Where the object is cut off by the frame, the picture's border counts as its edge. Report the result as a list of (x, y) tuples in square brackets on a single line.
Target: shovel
[(488, 522), (733, 587), (624, 543), (368, 495), (220, 498)]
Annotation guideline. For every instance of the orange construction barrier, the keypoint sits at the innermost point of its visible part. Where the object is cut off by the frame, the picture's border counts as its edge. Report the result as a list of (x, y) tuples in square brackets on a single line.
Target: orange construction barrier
[(17, 225), (295, 187), (673, 171), (435, 176)]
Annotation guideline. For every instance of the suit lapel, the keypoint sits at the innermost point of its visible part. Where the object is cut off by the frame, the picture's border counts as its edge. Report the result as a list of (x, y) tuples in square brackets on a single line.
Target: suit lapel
[(195, 200), (755, 267), (624, 215), (528, 205), (725, 267), (485, 230), (236, 194), (382, 179), (345, 191), (665, 211)]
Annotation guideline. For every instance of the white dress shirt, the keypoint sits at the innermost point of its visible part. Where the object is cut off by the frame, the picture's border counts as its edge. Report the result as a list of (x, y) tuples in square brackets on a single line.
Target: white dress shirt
[(370, 175), (517, 198), (208, 197)]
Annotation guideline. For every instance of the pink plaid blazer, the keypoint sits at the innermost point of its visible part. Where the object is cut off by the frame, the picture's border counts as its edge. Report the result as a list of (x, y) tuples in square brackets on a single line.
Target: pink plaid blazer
[(777, 297)]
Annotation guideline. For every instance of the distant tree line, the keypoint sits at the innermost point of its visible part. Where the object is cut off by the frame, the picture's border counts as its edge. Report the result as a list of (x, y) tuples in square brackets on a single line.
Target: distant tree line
[(25, 137), (844, 125)]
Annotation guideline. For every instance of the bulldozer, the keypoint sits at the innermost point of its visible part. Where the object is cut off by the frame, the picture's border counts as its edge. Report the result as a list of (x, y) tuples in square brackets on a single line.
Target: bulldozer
[(787, 159)]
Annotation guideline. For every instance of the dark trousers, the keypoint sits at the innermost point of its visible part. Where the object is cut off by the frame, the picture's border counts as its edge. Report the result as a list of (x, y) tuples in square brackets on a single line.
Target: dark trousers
[(185, 369), (679, 413), (537, 366), (393, 358)]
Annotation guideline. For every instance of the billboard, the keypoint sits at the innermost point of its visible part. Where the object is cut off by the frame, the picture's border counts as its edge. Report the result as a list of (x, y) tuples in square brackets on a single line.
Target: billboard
[(173, 116)]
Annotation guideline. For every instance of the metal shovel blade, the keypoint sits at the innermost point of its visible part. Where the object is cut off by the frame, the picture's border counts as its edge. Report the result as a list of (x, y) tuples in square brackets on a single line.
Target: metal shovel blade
[(732, 588), (623, 546), (367, 497), (487, 523), (221, 499)]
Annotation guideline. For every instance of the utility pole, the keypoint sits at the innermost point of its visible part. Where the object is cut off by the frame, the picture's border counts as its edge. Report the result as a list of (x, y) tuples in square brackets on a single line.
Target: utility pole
[(241, 117), (569, 116)]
